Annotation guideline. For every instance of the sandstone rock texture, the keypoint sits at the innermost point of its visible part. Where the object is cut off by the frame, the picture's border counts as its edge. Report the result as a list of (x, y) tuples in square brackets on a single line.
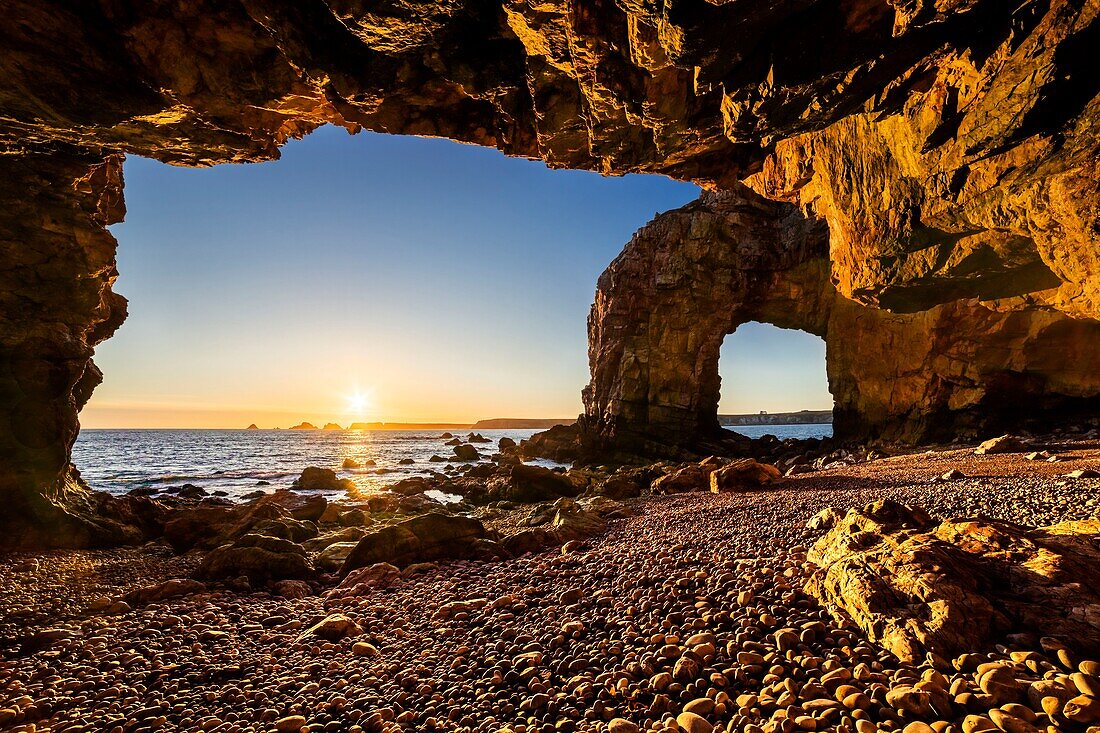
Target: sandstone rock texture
[(943, 155), (916, 586), (693, 275)]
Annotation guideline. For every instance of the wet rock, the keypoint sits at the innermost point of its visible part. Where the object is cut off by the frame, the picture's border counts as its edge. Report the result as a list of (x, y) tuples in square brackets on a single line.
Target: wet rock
[(350, 463), (466, 452), (505, 443), (189, 491), (321, 479), (410, 486)]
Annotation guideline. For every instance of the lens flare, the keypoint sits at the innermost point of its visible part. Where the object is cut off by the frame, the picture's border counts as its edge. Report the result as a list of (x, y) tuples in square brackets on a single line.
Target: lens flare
[(358, 403)]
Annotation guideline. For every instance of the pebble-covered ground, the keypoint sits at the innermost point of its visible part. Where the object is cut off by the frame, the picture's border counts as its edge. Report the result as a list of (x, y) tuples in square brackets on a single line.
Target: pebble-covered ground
[(688, 616)]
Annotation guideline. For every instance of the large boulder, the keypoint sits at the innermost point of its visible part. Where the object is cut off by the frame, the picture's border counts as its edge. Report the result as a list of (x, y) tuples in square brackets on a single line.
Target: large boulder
[(534, 539), (915, 586), (322, 479), (305, 508), (627, 483), (528, 484), (347, 534), (421, 539), (160, 592), (743, 475), (211, 524), (1002, 444), (411, 485), (466, 452), (572, 521), (260, 559), (691, 477), (332, 557), (364, 580), (201, 526)]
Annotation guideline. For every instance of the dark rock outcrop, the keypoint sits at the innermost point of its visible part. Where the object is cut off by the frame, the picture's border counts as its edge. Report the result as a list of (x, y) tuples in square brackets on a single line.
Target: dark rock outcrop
[(211, 524), (259, 558), (466, 452), (526, 484), (950, 149), (422, 539), (322, 479), (915, 586)]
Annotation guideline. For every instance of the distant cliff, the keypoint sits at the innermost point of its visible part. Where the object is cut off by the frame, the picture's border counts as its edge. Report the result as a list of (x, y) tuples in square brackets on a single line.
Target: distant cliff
[(802, 417), (519, 423)]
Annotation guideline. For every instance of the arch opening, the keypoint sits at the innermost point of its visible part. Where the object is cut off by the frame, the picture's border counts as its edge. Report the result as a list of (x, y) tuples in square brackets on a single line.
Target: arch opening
[(363, 281), (774, 380)]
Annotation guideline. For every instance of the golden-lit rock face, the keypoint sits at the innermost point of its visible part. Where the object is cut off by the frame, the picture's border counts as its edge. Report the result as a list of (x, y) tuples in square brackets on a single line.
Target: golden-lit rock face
[(950, 147), (695, 274), (915, 586)]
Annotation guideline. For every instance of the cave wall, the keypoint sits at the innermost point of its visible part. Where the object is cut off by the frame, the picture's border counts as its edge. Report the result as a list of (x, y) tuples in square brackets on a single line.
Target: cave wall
[(57, 264), (950, 148), (693, 275)]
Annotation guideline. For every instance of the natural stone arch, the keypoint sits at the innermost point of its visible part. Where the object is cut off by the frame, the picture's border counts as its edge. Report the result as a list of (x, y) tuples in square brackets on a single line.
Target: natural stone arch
[(693, 275), (663, 307)]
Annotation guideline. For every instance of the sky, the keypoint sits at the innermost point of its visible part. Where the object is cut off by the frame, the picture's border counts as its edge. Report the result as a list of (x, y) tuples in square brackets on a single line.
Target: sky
[(384, 278)]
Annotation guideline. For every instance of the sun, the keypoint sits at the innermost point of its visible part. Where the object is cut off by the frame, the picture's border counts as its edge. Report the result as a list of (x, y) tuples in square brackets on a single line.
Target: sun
[(358, 403)]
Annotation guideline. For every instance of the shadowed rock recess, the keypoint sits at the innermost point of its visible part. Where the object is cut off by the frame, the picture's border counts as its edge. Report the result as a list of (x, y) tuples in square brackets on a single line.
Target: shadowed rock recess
[(918, 182)]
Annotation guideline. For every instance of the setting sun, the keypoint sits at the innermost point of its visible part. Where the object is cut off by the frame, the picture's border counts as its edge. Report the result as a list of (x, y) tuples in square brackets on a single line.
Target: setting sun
[(358, 403)]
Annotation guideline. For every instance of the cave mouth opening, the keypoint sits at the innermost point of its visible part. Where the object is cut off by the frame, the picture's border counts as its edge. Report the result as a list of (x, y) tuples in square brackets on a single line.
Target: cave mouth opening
[(357, 280), (774, 381)]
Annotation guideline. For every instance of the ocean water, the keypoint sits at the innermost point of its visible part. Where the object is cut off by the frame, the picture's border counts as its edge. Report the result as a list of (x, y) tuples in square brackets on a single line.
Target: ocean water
[(235, 461), (809, 430)]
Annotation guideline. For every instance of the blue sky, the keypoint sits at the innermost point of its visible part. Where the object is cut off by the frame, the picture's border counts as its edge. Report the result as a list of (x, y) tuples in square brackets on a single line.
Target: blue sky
[(433, 280)]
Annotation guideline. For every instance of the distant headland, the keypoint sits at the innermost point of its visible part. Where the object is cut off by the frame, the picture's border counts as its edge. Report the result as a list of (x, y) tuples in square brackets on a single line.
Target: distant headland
[(802, 417)]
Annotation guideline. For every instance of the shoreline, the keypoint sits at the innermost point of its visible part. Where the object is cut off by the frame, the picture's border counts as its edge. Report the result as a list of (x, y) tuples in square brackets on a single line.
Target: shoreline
[(570, 640)]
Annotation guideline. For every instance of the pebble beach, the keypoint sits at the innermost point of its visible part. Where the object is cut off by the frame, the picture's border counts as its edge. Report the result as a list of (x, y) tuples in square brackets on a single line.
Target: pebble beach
[(690, 615)]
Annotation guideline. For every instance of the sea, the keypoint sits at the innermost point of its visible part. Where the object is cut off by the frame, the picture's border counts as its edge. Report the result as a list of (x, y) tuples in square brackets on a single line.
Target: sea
[(240, 462)]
